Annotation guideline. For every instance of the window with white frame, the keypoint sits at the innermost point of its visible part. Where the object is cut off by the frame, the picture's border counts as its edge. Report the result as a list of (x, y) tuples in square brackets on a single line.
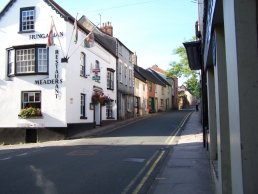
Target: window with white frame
[(42, 59), (82, 64), (27, 60), (31, 99), (83, 107), (27, 19), (109, 110), (110, 79), (11, 55)]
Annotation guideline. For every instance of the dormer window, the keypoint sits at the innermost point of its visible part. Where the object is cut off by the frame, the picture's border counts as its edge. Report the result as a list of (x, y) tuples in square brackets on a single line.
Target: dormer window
[(27, 19)]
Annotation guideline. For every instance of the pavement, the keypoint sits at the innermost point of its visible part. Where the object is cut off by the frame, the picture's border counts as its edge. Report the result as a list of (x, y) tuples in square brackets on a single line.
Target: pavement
[(187, 167)]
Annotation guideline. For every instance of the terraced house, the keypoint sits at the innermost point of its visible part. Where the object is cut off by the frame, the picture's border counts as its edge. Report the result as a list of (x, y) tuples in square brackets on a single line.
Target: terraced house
[(54, 78)]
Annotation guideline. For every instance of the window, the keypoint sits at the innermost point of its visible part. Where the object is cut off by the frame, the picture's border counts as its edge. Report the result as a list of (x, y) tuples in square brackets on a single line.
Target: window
[(10, 62), (83, 106), (82, 64), (109, 110), (150, 87), (137, 84), (29, 60), (161, 102), (121, 71), (97, 65), (42, 60), (110, 79), (27, 19), (125, 75), (130, 77), (31, 99), (162, 90), (143, 87), (25, 60)]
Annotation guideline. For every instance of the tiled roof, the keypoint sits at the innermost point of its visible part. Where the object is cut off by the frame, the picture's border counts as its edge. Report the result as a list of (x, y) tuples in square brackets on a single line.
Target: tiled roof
[(149, 76), (138, 75)]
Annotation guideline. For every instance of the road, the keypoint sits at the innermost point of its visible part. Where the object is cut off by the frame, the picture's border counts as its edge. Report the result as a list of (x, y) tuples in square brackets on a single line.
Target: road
[(122, 161)]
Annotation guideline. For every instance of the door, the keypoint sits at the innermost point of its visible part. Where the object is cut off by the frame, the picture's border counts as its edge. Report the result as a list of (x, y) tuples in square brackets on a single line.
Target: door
[(97, 114)]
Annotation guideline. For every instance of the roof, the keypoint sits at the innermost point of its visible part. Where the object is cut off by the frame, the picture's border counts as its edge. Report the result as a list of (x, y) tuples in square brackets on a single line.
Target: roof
[(149, 76), (68, 18), (158, 76), (138, 75)]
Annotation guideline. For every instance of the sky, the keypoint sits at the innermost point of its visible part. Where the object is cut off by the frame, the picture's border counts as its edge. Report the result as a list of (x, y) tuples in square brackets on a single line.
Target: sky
[(151, 28)]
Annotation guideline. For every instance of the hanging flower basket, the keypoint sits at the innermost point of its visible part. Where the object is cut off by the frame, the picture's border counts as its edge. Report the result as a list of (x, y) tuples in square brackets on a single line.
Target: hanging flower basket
[(103, 100), (95, 98)]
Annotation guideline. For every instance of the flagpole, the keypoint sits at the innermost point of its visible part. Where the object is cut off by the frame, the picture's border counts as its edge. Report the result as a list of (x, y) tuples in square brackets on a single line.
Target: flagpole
[(82, 42), (71, 37), (58, 36)]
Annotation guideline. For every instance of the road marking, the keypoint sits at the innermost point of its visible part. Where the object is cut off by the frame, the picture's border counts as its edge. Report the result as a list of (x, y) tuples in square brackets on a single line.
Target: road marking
[(23, 154), (173, 135), (139, 174), (145, 178), (140, 160), (8, 158)]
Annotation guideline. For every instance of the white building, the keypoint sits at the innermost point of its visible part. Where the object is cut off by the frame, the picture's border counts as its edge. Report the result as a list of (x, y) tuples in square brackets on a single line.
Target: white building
[(34, 75)]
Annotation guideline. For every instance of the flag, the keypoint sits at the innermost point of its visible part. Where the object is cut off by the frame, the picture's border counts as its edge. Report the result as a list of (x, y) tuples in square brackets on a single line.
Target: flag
[(76, 31), (50, 39), (89, 40)]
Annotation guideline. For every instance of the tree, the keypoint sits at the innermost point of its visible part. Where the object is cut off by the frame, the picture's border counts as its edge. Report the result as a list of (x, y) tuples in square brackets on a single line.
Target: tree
[(182, 69)]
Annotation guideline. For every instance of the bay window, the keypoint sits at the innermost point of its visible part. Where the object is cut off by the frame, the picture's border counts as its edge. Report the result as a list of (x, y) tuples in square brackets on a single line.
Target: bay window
[(30, 59)]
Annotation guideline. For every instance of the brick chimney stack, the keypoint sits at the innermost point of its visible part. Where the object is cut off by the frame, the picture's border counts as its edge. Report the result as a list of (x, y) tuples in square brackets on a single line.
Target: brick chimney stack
[(107, 28)]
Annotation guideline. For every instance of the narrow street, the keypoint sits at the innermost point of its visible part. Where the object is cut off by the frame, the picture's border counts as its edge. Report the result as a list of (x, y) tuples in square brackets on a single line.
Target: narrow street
[(123, 161)]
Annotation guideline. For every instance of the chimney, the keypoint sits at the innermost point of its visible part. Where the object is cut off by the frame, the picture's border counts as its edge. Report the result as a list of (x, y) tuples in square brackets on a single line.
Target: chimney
[(107, 28)]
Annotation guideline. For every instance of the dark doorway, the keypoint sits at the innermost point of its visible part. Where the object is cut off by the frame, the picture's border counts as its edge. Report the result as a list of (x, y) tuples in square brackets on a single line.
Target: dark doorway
[(31, 136)]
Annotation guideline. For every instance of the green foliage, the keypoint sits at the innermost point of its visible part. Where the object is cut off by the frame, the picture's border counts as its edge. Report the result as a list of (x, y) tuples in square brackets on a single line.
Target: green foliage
[(181, 69), (29, 112)]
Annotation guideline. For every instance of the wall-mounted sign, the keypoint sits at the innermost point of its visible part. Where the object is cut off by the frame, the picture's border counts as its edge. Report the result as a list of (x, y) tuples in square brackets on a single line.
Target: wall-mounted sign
[(95, 70), (43, 36), (95, 77), (57, 80)]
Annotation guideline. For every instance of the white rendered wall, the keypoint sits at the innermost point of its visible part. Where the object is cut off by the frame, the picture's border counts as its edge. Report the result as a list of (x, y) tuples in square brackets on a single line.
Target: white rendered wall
[(53, 109)]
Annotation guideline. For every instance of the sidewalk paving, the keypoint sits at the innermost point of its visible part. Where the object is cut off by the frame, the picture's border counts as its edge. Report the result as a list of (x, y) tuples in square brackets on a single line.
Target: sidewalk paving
[(187, 169)]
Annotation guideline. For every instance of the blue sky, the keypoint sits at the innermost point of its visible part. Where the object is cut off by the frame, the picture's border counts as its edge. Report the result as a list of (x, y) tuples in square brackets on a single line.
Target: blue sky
[(151, 28)]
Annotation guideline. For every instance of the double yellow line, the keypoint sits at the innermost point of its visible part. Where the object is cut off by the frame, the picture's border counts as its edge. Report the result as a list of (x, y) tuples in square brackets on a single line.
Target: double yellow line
[(159, 155)]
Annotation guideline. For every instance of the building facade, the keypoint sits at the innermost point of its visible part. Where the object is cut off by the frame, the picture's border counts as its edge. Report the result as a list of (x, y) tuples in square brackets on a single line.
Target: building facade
[(227, 34), (57, 89)]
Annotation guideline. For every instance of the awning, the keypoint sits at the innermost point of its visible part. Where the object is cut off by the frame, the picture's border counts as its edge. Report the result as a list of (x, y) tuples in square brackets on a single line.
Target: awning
[(193, 51)]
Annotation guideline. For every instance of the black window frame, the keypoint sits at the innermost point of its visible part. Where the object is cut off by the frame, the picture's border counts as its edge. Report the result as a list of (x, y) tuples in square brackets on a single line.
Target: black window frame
[(22, 47), (110, 81), (83, 107), (34, 19)]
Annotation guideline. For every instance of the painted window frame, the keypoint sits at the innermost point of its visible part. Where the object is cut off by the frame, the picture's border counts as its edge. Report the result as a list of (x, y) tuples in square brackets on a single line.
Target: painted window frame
[(30, 22), (83, 106), (83, 64), (31, 102), (109, 110), (37, 59), (110, 78)]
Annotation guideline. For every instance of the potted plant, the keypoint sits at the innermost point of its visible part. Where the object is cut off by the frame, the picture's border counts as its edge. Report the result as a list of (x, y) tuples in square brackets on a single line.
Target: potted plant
[(30, 112)]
